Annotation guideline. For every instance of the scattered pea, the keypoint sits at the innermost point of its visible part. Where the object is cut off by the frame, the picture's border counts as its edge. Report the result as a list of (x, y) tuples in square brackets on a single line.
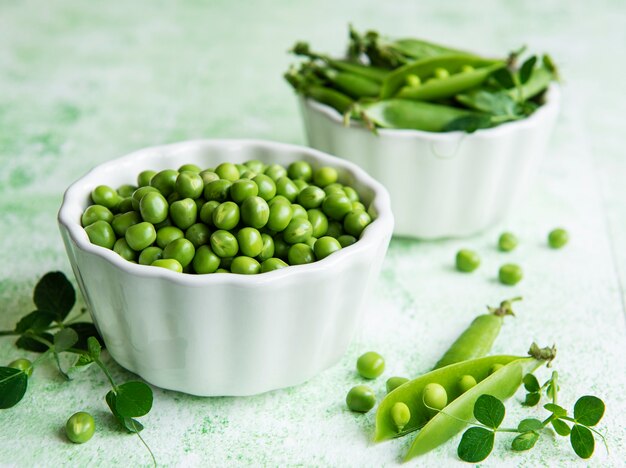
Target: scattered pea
[(510, 274), (24, 365), (394, 382), (467, 260), (360, 399), (370, 365), (507, 242), (80, 427), (558, 238)]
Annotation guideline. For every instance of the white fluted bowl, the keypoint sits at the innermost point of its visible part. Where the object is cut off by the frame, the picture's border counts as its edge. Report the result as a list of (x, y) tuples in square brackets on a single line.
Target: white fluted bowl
[(441, 184), (225, 334)]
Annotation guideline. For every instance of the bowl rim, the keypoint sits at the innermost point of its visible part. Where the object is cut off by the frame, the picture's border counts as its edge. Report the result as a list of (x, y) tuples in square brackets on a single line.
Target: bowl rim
[(380, 228), (553, 97)]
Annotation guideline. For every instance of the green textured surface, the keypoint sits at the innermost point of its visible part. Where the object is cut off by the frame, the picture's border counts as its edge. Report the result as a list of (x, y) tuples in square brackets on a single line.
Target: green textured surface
[(84, 82)]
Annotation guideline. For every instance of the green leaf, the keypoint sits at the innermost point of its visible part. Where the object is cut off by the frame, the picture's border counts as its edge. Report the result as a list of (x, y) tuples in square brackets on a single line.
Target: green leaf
[(36, 321), (531, 424), (557, 410), (30, 344), (13, 383), (531, 384), (64, 340), (134, 399), (469, 123), (94, 348), (83, 360), (531, 399), (504, 77), (476, 444), (489, 411), (582, 441), (588, 410), (525, 441), (527, 69), (131, 425), (561, 427), (54, 293), (495, 103), (84, 330)]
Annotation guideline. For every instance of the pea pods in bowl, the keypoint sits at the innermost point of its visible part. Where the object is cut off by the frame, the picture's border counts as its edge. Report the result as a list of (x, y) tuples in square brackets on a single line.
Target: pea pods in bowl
[(225, 334)]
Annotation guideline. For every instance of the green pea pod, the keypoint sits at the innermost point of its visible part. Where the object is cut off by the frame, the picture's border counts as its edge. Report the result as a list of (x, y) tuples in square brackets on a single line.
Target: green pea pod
[(476, 341), (373, 73), (414, 115), (410, 393), (328, 96), (418, 49), (354, 85), (440, 88)]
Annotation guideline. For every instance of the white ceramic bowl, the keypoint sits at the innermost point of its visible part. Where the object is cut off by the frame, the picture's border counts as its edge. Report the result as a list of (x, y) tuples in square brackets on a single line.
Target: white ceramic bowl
[(441, 184), (225, 334)]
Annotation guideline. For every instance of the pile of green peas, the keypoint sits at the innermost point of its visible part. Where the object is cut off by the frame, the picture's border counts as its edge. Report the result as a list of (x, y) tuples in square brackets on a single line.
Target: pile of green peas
[(235, 218)]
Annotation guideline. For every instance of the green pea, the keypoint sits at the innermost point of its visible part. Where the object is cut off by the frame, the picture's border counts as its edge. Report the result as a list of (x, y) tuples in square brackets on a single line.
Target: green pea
[(558, 238), (140, 235), (325, 246), (206, 212), (95, 213), (334, 188), (510, 274), (105, 196), (300, 254), (298, 230), (266, 185), (400, 415), (226, 262), (311, 242), (441, 73), (208, 176), (173, 197), (355, 222), (121, 222), (255, 165), (287, 188), (281, 248), (166, 222), (190, 168), (199, 203), (466, 382), (222, 270), (325, 176), (22, 364), (337, 206), (149, 255), (319, 221), (248, 174), (125, 205), (467, 69), (299, 212), (335, 229), (435, 396), (101, 233), (198, 234), (205, 261), (217, 190), (495, 368), (370, 365), (122, 248), (394, 382), (80, 427), (245, 266), (242, 189), (467, 260), (168, 234), (301, 184), (507, 242), (311, 197), (189, 184), (272, 264), (181, 250), (153, 207), (255, 212), (275, 172), (144, 178), (267, 250), (250, 241), (168, 263), (240, 168), (346, 240), (224, 244), (226, 215), (227, 171), (139, 194), (413, 80), (126, 190), (165, 181), (300, 170), (352, 194), (280, 215), (360, 399)]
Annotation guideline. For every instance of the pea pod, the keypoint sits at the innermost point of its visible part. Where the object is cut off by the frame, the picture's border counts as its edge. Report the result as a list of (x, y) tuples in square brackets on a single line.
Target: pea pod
[(403, 113), (354, 85), (441, 88), (328, 96), (418, 49), (478, 338)]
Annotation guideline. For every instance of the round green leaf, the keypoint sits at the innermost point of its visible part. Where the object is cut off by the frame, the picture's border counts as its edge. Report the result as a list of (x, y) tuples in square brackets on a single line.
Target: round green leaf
[(476, 444), (489, 411), (30, 344), (37, 321), (54, 293), (588, 410), (130, 424), (527, 69), (94, 348), (525, 441), (65, 339), (561, 427), (84, 330), (13, 383), (582, 441), (557, 410), (133, 399), (532, 399), (530, 424), (531, 384)]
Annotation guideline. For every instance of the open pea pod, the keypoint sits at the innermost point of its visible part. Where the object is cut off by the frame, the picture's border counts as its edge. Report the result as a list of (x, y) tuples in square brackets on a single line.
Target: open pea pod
[(458, 81), (410, 393), (418, 48), (413, 115)]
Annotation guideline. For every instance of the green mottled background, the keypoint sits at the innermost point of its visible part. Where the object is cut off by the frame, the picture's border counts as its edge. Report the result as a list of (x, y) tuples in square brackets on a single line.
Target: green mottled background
[(82, 82)]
